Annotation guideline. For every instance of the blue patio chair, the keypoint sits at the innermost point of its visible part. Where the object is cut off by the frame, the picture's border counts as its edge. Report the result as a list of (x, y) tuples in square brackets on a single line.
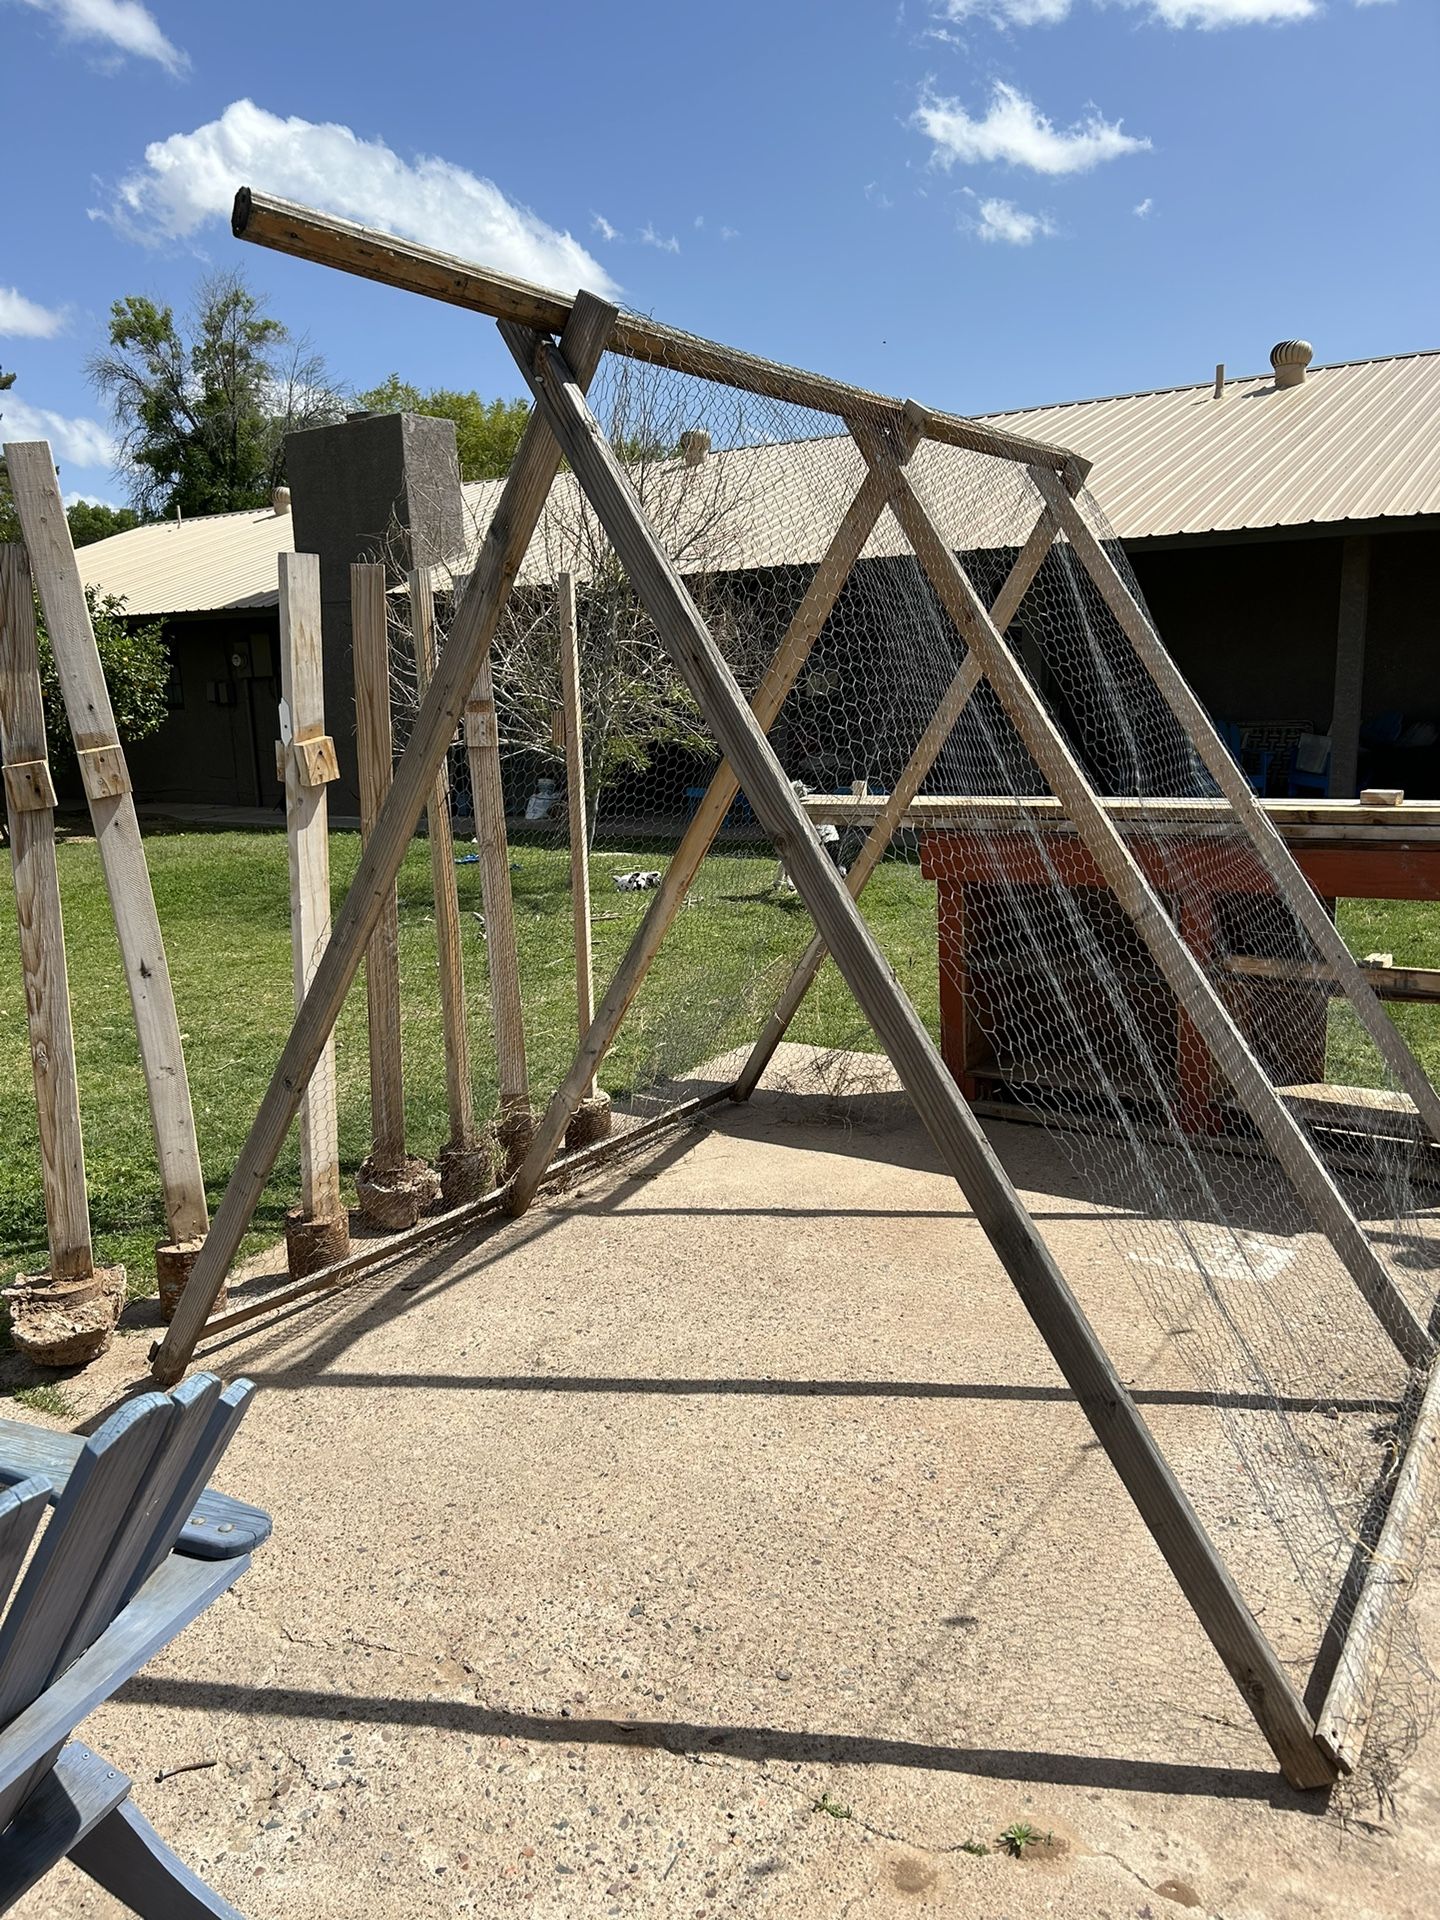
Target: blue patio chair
[(135, 1549), (1309, 770)]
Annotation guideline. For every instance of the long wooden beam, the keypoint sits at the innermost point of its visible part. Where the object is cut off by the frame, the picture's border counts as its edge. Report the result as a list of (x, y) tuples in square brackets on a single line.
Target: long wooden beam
[(375, 756), (1233, 1630), (287, 228), (780, 676), (892, 810), (532, 472), (1183, 974), (117, 833), (1197, 724), (1413, 823)]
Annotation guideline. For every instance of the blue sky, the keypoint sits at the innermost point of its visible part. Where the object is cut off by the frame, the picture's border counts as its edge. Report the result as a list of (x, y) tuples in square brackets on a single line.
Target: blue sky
[(984, 203)]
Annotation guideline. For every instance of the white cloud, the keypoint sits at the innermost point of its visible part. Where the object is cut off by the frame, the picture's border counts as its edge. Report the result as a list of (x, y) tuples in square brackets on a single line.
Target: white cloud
[(1015, 132), (1141, 209), (729, 233), (85, 443), (1013, 13), (89, 500), (190, 180), (122, 25), (1001, 220), (650, 238), (599, 224), (1226, 13), (26, 319)]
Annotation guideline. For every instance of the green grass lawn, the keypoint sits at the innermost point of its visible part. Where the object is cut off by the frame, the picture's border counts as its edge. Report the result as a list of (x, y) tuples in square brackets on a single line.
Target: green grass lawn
[(224, 907)]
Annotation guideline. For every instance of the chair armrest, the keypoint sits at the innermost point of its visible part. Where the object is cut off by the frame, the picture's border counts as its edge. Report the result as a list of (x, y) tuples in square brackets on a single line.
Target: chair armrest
[(180, 1589), (219, 1527)]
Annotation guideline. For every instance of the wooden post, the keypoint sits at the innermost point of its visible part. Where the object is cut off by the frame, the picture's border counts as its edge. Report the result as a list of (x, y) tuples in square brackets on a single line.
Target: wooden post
[(514, 1122), (317, 1232), (1346, 711), (592, 1117), (1264, 837), (392, 1188), (887, 821), (1183, 974), (1259, 1675), (465, 1165), (517, 513), (30, 808), (122, 853), (780, 676)]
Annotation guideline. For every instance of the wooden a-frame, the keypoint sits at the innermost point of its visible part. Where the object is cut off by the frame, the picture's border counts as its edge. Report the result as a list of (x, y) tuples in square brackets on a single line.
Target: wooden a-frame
[(886, 433)]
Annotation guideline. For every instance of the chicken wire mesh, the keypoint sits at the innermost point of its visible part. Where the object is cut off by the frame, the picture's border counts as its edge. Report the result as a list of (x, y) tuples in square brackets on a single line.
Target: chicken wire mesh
[(1281, 1402)]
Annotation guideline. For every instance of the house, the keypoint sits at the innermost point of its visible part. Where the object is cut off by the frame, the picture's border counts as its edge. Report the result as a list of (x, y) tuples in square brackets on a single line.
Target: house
[(1284, 527)]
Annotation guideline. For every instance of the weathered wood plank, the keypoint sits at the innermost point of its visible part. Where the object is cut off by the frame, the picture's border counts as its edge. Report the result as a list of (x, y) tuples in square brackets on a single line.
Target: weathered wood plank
[(307, 822), (575, 807), (117, 836), (450, 958), (42, 932), (78, 1794), (286, 228), (536, 462), (1183, 973), (1387, 983), (1218, 1604), (376, 758), (482, 747)]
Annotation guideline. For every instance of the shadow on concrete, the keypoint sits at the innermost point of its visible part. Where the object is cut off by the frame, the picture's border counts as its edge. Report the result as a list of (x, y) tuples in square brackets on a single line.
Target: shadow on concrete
[(473, 1720)]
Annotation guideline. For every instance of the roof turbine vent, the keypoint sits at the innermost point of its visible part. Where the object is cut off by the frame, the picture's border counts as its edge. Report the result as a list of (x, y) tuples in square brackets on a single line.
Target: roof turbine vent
[(1290, 358)]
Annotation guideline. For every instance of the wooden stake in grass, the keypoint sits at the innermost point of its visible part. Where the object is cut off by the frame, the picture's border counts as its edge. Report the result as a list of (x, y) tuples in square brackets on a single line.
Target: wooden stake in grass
[(393, 1189), (317, 1232), (122, 854), (465, 1162), (592, 1118)]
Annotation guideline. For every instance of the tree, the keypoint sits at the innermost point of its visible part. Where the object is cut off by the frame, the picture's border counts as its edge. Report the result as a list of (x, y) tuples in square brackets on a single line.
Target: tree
[(203, 411), (136, 664), (487, 432), (92, 520)]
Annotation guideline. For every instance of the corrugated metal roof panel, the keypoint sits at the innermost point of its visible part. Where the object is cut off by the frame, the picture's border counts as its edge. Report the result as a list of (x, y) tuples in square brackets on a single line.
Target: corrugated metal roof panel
[(218, 562)]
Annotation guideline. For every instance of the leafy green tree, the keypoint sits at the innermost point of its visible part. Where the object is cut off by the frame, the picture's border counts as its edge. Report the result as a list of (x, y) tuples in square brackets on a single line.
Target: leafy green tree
[(136, 664), (487, 432), (92, 520), (202, 410)]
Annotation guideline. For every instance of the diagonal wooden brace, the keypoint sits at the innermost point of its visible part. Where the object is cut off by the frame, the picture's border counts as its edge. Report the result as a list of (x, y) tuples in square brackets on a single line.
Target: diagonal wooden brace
[(532, 472), (790, 656), (1233, 1631), (1183, 974), (952, 704)]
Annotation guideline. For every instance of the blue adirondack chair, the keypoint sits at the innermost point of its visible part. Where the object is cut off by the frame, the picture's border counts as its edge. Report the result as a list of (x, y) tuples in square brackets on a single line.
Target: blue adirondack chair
[(135, 1549)]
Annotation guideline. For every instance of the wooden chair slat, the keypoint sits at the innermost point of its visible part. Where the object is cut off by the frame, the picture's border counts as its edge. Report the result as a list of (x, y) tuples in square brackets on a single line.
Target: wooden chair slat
[(223, 1415), (20, 1511)]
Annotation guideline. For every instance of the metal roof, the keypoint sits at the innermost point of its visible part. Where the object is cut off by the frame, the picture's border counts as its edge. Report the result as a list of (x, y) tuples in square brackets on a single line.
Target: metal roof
[(1360, 441), (1357, 442), (213, 563)]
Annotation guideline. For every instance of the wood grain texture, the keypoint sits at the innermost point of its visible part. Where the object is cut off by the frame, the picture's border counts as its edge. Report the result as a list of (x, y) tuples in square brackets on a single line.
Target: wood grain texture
[(1131, 1447), (375, 753), (307, 832), (450, 958), (482, 748), (892, 810), (1319, 928), (574, 739), (307, 235), (77, 1794), (1183, 974), (126, 1856), (117, 837), (517, 513), (42, 933), (780, 676)]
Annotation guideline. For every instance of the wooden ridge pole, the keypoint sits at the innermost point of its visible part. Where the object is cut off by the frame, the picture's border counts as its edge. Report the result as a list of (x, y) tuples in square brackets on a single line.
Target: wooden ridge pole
[(536, 462), (515, 1122), (780, 676), (30, 808), (1218, 1604), (117, 836), (953, 702), (1260, 829), (375, 753), (300, 231), (318, 1231), (1183, 974), (465, 1168)]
